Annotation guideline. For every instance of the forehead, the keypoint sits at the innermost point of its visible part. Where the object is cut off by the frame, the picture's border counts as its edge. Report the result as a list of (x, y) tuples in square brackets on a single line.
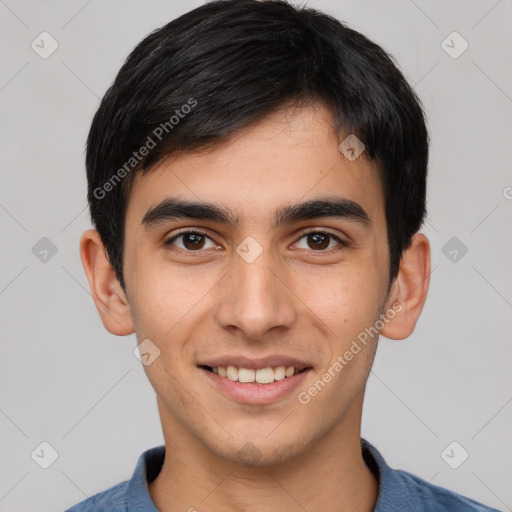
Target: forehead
[(290, 156)]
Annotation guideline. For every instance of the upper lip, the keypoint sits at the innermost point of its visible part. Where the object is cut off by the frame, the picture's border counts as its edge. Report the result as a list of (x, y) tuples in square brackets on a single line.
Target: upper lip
[(255, 363)]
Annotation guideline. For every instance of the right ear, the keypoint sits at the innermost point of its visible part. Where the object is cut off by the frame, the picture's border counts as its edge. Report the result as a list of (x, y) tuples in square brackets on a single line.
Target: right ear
[(109, 297)]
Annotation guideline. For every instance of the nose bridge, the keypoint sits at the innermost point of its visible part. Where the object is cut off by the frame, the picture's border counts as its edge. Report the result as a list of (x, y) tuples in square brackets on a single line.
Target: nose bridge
[(255, 299)]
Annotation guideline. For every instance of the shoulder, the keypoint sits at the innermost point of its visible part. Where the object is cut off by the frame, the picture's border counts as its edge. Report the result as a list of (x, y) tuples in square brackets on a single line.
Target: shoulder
[(400, 490), (426, 496), (112, 499), (132, 494)]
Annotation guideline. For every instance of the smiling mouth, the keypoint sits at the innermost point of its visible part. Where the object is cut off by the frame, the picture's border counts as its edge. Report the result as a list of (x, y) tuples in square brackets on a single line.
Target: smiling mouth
[(259, 376)]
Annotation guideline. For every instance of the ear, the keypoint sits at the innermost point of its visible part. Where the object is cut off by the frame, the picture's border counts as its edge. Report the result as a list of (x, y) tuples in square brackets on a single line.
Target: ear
[(409, 289), (107, 293)]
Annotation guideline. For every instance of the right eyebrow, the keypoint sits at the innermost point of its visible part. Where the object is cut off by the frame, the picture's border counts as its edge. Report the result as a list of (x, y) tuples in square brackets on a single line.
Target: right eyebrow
[(173, 208)]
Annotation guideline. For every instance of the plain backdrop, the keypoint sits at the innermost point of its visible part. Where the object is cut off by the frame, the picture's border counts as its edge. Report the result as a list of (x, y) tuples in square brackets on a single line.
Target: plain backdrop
[(66, 381)]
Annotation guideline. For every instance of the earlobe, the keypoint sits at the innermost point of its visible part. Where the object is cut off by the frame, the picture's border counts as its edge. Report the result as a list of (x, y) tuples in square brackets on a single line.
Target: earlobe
[(409, 290), (109, 297)]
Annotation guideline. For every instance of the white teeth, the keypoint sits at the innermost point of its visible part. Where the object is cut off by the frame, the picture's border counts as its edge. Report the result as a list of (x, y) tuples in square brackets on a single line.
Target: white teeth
[(261, 376), (246, 375), (279, 373), (265, 375), (232, 373)]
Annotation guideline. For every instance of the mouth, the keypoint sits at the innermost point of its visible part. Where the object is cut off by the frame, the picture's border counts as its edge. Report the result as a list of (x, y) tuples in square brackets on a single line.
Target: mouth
[(255, 386), (255, 376)]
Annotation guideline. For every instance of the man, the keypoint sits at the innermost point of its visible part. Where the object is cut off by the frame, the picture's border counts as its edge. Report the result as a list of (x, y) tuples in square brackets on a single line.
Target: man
[(257, 178)]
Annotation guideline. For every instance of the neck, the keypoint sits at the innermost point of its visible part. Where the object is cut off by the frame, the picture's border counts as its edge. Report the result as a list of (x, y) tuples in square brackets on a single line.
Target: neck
[(330, 475)]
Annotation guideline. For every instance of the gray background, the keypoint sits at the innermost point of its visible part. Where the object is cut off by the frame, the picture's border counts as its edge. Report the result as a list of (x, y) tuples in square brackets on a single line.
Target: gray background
[(67, 381)]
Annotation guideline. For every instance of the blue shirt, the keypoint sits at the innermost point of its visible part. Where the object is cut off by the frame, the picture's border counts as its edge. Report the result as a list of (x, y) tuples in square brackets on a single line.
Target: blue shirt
[(399, 491)]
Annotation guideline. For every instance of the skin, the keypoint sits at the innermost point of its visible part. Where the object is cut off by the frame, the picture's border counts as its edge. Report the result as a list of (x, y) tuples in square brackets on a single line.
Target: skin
[(293, 299)]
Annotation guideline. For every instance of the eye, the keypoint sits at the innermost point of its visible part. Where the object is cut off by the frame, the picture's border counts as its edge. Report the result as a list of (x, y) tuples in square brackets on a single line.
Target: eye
[(194, 240), (320, 241), (191, 240)]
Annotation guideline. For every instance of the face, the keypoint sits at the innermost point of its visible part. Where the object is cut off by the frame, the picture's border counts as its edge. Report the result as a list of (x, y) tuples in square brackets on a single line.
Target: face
[(296, 289)]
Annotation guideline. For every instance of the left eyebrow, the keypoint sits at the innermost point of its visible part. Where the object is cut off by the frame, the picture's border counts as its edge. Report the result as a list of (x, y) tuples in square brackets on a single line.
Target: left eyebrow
[(174, 208), (340, 207)]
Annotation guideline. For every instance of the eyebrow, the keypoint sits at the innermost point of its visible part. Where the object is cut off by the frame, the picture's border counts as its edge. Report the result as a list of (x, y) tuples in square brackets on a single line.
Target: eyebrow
[(173, 208)]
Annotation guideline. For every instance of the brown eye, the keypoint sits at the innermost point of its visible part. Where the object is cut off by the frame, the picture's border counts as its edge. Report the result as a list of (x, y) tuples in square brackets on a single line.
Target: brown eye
[(192, 241), (320, 241)]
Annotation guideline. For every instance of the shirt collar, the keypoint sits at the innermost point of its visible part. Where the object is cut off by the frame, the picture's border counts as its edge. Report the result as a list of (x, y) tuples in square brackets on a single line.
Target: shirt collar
[(393, 489), (392, 495), (148, 466)]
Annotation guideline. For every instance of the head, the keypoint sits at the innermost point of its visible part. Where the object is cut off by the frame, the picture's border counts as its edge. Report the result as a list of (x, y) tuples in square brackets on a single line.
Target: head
[(245, 105)]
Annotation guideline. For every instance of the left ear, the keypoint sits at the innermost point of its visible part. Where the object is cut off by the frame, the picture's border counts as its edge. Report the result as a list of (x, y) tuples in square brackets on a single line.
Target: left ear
[(409, 289)]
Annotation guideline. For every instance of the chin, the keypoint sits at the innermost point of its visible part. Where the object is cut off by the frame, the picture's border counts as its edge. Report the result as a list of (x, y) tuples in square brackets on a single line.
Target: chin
[(252, 453)]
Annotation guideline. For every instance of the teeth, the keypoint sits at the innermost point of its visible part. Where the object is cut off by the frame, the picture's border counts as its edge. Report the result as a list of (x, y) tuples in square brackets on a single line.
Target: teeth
[(232, 373), (261, 376), (265, 375), (246, 375), (279, 373)]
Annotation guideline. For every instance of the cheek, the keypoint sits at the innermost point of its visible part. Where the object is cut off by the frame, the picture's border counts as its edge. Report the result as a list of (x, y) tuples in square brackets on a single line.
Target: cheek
[(167, 299), (346, 299)]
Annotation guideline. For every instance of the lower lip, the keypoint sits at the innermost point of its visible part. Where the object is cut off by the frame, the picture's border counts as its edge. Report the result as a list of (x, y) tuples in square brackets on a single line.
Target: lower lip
[(256, 394)]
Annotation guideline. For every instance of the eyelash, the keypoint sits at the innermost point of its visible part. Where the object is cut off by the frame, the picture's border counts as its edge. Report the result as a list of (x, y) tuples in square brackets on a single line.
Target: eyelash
[(342, 243)]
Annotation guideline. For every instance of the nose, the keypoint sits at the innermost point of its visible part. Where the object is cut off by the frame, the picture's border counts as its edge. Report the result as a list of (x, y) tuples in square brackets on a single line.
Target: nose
[(255, 299)]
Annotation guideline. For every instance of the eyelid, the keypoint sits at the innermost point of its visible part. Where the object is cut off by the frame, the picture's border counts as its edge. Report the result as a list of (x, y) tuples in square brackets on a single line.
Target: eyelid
[(324, 231)]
